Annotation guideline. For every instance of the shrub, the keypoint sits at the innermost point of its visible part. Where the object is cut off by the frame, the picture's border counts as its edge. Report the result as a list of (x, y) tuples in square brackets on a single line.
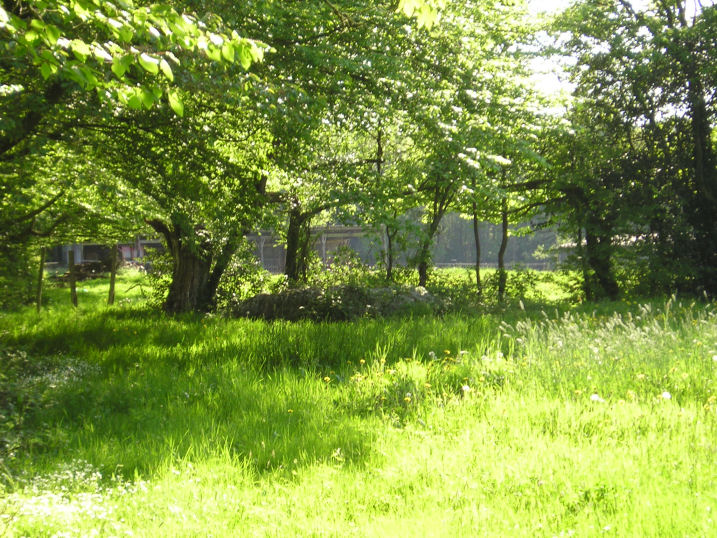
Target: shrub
[(17, 274), (339, 303)]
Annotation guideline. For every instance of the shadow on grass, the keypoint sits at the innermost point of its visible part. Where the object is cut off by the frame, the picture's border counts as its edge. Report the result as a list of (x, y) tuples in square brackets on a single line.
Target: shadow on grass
[(143, 420)]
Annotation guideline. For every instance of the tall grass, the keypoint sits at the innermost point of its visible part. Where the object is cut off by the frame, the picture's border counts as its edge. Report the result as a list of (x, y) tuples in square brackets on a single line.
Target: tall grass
[(590, 421)]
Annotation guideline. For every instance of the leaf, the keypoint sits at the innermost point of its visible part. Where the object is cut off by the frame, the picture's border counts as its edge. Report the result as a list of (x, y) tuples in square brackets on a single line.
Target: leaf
[(147, 98), (257, 53), (166, 69), (135, 101), (426, 17), (175, 102), (81, 49), (53, 34), (101, 54), (123, 96), (120, 65), (245, 56), (31, 36), (45, 70), (80, 11), (126, 33), (228, 52), (213, 53), (172, 57), (149, 63), (407, 6), (89, 76), (4, 18)]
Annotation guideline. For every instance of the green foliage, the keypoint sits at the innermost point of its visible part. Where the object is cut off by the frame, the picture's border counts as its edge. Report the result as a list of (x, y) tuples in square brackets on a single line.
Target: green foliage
[(345, 269), (637, 163), (82, 42), (17, 270), (158, 264), (244, 278)]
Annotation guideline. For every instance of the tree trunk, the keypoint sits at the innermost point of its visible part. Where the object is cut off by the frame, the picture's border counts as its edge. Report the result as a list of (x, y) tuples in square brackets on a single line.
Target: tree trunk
[(584, 265), (599, 253), (207, 299), (305, 244), (476, 237), (293, 240), (502, 276), (424, 252), (73, 277), (188, 289), (389, 253), (40, 276), (423, 261), (703, 217), (113, 276)]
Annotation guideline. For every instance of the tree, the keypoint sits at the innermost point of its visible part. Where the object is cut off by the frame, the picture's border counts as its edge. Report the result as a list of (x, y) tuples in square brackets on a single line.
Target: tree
[(201, 188), (73, 63), (654, 67)]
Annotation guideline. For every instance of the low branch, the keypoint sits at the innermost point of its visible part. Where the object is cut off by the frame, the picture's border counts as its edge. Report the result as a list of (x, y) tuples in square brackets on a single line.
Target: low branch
[(35, 212)]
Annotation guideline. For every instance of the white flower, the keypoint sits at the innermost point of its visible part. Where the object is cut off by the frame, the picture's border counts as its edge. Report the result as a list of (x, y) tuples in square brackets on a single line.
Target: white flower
[(466, 388), (596, 398), (666, 396)]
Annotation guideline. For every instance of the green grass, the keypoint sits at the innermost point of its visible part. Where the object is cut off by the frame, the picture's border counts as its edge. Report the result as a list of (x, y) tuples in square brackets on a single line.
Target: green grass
[(597, 420)]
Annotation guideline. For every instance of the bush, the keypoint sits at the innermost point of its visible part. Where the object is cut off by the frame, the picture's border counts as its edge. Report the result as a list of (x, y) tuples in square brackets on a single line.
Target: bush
[(243, 278), (455, 287), (339, 303), (17, 275), (345, 269), (159, 265)]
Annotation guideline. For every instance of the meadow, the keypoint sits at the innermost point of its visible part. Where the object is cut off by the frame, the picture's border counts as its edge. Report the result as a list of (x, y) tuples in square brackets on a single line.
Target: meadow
[(536, 419)]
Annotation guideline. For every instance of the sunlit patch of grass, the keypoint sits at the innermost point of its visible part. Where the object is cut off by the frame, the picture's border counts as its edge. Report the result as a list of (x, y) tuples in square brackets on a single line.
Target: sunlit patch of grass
[(590, 421)]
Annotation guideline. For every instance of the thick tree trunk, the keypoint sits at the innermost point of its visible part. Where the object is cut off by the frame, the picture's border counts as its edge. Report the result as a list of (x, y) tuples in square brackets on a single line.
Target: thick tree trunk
[(40, 276), (502, 276), (73, 277), (191, 287), (476, 238), (188, 289), (305, 250)]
